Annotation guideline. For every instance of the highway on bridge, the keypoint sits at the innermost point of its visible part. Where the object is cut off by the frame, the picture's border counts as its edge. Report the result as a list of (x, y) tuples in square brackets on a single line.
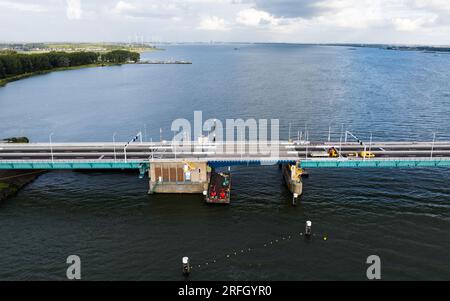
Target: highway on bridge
[(282, 151)]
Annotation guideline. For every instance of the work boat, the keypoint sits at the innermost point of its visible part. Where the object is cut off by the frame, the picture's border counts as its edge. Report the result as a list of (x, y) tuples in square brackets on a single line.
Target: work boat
[(219, 189)]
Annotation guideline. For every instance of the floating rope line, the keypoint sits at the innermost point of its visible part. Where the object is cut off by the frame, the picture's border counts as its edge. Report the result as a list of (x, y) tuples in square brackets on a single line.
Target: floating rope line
[(235, 253)]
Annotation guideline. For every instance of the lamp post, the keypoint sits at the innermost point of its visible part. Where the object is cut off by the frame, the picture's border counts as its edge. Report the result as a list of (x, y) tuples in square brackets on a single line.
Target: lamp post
[(145, 132), (329, 133), (51, 147), (340, 139), (432, 145), (114, 145), (289, 132)]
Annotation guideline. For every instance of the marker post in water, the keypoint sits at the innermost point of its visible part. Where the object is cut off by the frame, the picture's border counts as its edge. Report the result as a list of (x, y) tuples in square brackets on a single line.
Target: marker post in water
[(294, 199), (308, 229), (186, 266)]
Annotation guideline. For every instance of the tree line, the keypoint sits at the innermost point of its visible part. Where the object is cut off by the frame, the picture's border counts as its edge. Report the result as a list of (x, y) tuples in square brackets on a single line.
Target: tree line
[(14, 64)]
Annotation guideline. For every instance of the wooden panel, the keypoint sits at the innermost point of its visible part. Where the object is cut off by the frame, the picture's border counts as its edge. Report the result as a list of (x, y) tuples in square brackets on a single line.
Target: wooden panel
[(166, 174), (173, 174), (180, 174), (158, 173)]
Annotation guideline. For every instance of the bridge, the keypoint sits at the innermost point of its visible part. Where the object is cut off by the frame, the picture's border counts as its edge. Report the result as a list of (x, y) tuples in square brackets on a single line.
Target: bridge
[(169, 165), (117, 156)]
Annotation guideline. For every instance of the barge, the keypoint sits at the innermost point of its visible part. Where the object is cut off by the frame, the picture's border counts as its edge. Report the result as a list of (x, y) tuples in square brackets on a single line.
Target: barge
[(219, 188)]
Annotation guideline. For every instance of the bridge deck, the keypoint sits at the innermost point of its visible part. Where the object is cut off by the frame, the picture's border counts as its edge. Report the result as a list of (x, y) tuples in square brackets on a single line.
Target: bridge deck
[(115, 156)]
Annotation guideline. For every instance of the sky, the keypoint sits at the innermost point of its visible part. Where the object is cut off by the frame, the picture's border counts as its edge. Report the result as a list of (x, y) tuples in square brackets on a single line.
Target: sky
[(290, 21)]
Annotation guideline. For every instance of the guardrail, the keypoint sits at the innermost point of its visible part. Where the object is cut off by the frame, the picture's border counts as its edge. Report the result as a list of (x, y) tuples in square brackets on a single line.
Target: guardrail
[(71, 164), (376, 163), (217, 162)]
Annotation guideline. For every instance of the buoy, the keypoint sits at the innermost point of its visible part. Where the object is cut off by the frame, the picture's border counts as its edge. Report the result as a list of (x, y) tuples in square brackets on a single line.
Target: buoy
[(186, 266), (294, 199), (308, 228)]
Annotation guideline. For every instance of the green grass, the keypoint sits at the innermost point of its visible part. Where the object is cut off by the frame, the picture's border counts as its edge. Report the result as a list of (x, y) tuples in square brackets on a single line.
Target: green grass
[(3, 185)]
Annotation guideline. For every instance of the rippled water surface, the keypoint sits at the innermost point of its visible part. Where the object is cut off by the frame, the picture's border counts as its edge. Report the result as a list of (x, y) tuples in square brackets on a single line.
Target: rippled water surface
[(122, 233)]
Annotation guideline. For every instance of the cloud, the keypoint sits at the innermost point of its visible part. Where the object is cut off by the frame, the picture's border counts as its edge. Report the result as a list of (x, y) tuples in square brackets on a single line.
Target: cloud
[(322, 21), (254, 17), (409, 15), (407, 24), (289, 8), (26, 7), (213, 23), (143, 9), (123, 7), (74, 11)]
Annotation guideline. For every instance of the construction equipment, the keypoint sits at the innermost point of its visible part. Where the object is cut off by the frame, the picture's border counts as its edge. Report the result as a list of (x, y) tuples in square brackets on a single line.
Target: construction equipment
[(332, 152), (353, 155), (366, 154), (188, 166), (323, 154), (297, 173)]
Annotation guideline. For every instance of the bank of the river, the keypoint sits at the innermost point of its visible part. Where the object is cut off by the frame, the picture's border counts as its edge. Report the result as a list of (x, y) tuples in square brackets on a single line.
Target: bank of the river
[(4, 81), (11, 181)]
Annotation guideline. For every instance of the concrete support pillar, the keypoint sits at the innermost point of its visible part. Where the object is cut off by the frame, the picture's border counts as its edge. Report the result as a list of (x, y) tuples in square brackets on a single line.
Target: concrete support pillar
[(178, 177), (294, 186)]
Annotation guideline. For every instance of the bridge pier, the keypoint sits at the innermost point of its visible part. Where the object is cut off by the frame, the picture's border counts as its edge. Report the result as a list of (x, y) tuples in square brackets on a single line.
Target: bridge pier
[(178, 177), (293, 177)]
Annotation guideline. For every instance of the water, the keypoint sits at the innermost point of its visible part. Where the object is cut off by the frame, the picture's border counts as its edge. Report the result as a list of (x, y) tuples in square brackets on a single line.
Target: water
[(122, 233)]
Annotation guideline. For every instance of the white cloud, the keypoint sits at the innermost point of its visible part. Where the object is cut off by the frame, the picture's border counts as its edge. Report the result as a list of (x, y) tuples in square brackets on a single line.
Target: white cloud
[(213, 23), (74, 10), (407, 24), (411, 15), (352, 14), (439, 5), (254, 17), (141, 10), (123, 7), (375, 21), (27, 7)]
